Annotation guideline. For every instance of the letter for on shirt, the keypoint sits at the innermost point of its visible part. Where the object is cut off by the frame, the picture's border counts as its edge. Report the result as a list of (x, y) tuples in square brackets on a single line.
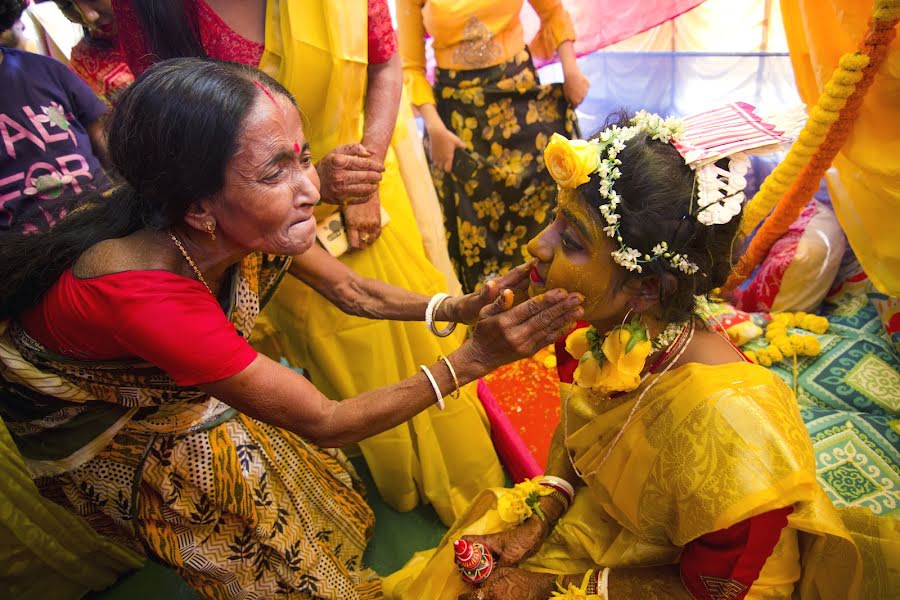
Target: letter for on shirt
[(82, 169)]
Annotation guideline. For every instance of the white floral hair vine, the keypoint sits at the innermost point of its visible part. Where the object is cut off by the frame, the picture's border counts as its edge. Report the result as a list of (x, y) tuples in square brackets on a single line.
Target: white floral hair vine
[(701, 139)]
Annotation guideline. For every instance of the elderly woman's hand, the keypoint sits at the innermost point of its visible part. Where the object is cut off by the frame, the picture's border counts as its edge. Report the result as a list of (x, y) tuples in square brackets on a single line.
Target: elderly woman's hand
[(504, 333), (465, 309), (506, 583), (349, 174)]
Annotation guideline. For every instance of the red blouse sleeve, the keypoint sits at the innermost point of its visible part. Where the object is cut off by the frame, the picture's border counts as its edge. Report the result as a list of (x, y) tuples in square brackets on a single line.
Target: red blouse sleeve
[(725, 563), (382, 38), (180, 327), (170, 321)]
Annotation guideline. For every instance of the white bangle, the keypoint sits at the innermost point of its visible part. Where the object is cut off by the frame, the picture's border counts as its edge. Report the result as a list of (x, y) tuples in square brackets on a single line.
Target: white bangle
[(434, 385), (603, 584), (431, 310), (455, 393), (561, 483)]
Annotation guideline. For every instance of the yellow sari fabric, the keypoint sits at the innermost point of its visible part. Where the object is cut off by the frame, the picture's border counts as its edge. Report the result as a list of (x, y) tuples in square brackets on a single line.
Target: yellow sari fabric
[(865, 186), (708, 447), (318, 51), (48, 552)]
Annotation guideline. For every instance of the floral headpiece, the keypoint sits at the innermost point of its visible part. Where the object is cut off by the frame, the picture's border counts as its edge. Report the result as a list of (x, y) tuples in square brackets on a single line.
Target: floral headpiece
[(701, 139)]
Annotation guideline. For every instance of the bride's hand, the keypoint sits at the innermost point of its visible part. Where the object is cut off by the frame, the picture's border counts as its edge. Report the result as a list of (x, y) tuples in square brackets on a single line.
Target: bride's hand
[(465, 309), (515, 545), (513, 584)]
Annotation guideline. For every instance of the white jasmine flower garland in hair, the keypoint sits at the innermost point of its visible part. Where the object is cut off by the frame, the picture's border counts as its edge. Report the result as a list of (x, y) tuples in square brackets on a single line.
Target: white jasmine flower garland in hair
[(702, 139), (569, 162)]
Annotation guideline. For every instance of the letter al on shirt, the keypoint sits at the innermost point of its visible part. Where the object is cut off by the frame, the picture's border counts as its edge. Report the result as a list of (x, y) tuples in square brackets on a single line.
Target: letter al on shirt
[(56, 167)]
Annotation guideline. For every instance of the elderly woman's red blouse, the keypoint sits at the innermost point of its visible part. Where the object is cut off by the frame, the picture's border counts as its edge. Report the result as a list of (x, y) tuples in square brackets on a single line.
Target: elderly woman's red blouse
[(162, 318)]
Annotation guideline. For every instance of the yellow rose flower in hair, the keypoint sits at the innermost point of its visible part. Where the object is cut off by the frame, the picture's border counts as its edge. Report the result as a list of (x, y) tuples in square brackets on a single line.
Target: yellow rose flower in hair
[(571, 162)]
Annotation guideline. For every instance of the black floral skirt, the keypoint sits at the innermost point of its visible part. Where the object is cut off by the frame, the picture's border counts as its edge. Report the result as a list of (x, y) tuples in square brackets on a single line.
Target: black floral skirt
[(498, 194)]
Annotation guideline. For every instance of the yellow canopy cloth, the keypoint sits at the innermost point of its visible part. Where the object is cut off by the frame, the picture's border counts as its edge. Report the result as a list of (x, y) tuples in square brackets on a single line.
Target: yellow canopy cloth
[(708, 447), (47, 551), (865, 188), (317, 50)]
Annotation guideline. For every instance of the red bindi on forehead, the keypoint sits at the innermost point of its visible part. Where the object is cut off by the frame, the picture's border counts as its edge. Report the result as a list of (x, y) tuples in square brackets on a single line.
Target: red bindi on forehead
[(296, 148)]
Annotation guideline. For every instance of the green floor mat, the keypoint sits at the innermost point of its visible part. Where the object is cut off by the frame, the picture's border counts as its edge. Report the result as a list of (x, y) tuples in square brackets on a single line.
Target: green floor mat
[(397, 536)]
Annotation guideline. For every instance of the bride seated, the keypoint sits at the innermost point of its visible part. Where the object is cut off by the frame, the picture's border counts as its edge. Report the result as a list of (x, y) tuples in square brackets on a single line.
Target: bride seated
[(679, 469)]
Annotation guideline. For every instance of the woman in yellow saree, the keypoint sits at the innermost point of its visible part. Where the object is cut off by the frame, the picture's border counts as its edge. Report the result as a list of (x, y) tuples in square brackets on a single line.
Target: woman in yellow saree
[(320, 52), (679, 470)]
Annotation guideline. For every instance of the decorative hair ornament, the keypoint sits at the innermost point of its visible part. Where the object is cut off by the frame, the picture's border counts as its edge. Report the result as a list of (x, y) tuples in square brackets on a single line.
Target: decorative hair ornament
[(701, 139)]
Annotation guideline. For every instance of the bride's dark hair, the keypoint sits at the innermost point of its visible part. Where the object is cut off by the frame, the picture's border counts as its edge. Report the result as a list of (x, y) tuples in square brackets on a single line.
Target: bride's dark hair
[(659, 203)]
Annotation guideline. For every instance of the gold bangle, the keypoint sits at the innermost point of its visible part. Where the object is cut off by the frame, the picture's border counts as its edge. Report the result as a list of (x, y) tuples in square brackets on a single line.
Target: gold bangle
[(560, 497), (446, 361), (591, 584)]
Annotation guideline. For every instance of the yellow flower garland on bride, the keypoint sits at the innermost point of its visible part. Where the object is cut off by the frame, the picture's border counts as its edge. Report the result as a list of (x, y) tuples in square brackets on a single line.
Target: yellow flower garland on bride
[(616, 364)]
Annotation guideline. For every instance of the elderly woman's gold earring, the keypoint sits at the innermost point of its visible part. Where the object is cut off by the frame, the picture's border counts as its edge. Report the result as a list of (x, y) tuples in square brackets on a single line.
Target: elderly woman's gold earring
[(210, 229)]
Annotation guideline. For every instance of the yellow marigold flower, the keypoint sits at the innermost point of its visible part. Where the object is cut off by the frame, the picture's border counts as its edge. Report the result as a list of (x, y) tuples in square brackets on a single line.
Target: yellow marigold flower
[(822, 115), (810, 138), (526, 488), (779, 347), (785, 318), (751, 355), (833, 104), (847, 77), (888, 12), (795, 163), (817, 128), (854, 61), (570, 162), (838, 90), (818, 326), (763, 358), (775, 330), (811, 346)]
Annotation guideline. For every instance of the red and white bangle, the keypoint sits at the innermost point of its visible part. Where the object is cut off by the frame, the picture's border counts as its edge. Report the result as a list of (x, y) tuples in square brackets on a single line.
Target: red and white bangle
[(564, 492)]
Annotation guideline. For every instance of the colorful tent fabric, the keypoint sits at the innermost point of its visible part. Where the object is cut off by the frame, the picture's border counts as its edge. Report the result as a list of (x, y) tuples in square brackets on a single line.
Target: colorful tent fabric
[(600, 23)]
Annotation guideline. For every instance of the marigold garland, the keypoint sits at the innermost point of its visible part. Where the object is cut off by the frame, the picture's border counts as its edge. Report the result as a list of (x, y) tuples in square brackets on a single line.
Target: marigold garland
[(797, 177), (782, 344)]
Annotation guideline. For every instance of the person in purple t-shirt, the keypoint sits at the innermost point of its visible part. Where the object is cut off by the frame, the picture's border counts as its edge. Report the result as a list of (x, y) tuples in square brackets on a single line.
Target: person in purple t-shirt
[(51, 135)]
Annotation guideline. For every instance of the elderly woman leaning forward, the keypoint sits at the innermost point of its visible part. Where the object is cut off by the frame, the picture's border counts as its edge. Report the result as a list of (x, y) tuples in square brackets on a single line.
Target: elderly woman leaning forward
[(162, 428)]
